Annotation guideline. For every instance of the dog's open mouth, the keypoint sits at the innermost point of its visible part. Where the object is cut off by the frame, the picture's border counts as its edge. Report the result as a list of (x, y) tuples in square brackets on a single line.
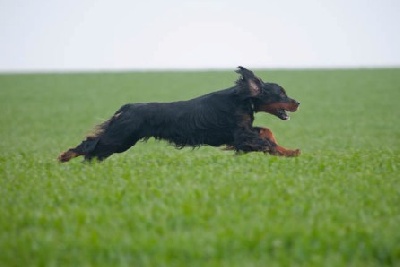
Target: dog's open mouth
[(280, 109), (282, 114)]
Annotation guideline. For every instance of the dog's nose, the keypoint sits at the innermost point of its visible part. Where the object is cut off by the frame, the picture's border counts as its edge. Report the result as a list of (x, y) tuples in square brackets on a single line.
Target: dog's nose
[(298, 103)]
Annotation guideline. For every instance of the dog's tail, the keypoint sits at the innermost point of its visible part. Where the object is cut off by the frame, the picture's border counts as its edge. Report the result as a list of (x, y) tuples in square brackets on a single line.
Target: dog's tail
[(89, 144)]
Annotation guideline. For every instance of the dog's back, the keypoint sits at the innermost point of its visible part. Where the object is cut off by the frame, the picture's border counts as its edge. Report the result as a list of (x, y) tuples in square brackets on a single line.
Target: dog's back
[(205, 120)]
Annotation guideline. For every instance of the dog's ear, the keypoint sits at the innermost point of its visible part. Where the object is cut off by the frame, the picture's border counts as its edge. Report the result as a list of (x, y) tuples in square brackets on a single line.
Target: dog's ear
[(253, 83)]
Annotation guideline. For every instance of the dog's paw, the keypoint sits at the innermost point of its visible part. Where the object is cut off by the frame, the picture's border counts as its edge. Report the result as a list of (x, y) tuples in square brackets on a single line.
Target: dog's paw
[(293, 153), (66, 156), (296, 152)]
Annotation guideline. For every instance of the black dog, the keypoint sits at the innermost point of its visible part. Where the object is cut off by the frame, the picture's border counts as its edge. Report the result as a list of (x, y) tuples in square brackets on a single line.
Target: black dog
[(221, 118)]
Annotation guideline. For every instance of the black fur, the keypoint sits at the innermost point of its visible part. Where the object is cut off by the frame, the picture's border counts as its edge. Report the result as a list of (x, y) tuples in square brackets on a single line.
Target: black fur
[(221, 118)]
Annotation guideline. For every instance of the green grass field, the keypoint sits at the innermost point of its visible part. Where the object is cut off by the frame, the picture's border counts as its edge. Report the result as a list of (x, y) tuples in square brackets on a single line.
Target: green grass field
[(338, 204)]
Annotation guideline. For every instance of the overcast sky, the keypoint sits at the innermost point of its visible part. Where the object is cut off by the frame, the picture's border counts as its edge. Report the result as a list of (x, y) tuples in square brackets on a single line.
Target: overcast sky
[(42, 35)]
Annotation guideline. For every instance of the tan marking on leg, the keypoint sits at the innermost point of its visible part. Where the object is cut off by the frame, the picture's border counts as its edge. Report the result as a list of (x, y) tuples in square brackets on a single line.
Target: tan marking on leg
[(67, 156), (278, 150)]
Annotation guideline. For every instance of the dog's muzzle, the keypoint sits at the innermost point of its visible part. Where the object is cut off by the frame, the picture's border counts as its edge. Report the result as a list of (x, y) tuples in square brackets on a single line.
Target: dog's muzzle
[(280, 109)]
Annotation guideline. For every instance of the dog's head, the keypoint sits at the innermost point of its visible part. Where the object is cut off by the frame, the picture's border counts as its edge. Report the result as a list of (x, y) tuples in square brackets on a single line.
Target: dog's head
[(267, 97)]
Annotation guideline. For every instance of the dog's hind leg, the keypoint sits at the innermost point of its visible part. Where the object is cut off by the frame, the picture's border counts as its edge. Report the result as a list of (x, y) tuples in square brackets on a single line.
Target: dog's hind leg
[(115, 137), (100, 147), (106, 147), (89, 148), (83, 149), (278, 150)]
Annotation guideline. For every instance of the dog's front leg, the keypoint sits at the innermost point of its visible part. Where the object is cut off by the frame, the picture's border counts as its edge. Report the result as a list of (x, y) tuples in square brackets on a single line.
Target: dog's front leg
[(266, 134), (249, 140)]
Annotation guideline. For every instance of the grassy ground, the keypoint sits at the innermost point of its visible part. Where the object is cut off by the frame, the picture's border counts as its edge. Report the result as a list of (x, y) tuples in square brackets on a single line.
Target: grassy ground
[(338, 204)]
